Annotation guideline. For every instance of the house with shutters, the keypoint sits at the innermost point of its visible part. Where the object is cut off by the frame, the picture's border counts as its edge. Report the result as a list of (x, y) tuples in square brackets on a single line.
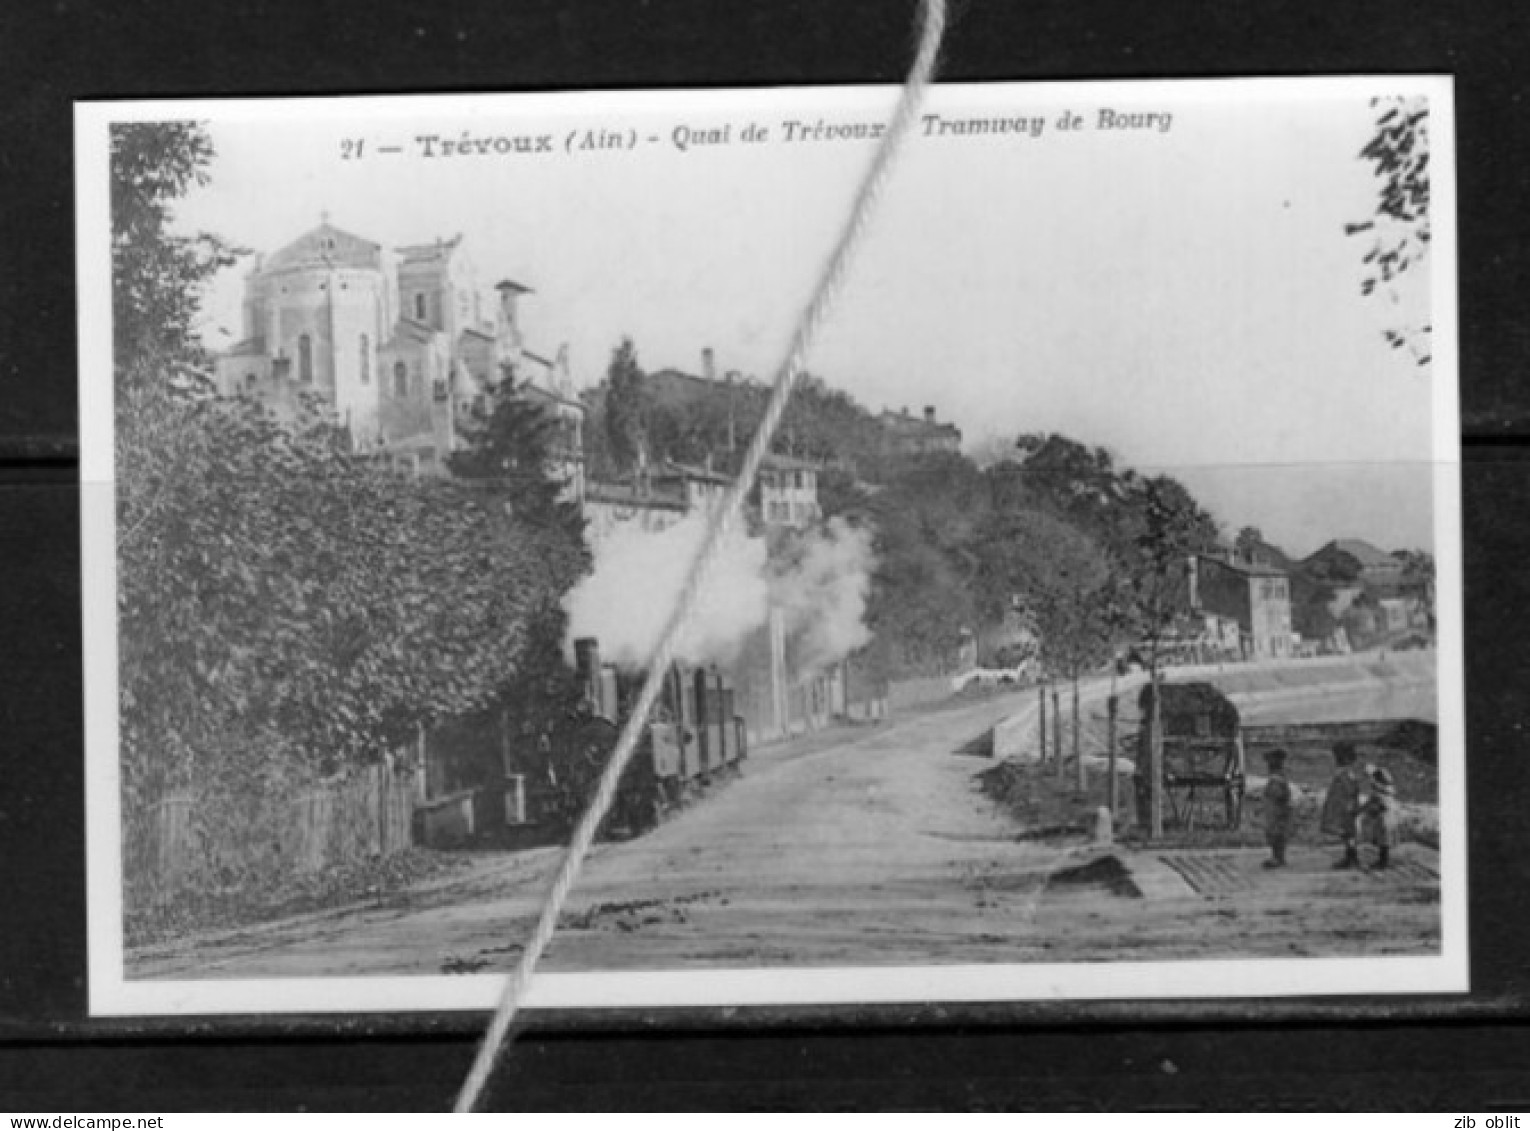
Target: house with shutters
[(1256, 598)]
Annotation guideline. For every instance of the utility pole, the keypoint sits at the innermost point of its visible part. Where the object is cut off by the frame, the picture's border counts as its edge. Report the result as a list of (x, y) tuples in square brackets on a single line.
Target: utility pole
[(1041, 719), (1155, 749), (1110, 740), (1078, 753), (1057, 734)]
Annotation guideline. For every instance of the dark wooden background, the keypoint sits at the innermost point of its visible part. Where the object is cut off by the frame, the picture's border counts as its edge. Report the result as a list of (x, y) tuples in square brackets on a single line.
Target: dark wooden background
[(1435, 1054)]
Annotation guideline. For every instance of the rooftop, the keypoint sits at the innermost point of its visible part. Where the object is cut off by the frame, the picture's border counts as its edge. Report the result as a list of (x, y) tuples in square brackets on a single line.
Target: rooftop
[(325, 246), (427, 252), (631, 495), (673, 469), (1248, 569), (1363, 552), (789, 463)]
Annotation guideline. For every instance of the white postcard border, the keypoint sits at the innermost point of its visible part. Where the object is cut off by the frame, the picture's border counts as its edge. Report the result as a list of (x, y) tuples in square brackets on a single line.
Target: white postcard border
[(112, 994)]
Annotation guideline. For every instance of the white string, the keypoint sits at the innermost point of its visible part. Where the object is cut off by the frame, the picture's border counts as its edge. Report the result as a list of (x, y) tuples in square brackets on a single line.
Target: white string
[(933, 20)]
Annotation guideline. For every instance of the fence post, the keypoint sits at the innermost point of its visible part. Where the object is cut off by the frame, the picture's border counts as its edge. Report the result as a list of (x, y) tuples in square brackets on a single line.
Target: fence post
[(1041, 718), (1155, 769), (381, 799), (1078, 753), (1110, 749), (1057, 734), (421, 766)]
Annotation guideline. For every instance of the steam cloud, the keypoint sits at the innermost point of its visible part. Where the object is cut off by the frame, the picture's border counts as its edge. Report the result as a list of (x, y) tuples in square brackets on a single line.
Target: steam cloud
[(820, 582)]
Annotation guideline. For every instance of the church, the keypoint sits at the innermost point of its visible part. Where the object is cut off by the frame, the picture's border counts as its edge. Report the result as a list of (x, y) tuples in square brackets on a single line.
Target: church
[(398, 344)]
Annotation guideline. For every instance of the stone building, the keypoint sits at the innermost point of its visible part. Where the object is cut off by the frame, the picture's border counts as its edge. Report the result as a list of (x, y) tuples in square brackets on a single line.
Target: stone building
[(904, 434), (788, 492), (1256, 597), (398, 345)]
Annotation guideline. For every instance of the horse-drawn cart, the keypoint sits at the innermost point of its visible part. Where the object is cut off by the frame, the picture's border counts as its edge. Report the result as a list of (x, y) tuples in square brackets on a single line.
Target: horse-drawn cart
[(1202, 757)]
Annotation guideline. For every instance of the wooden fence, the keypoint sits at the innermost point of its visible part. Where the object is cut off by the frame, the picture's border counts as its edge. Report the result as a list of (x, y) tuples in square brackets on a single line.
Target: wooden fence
[(202, 842)]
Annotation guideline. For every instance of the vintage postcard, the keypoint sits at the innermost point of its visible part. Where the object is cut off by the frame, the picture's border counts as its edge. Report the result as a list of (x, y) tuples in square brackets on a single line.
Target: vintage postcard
[(1095, 629)]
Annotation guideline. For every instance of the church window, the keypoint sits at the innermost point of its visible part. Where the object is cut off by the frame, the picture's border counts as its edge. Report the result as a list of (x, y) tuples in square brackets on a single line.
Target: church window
[(305, 359), (419, 307), (400, 379), (366, 360)]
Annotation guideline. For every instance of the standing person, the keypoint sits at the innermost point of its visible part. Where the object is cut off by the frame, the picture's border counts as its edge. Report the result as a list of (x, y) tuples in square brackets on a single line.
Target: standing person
[(1378, 816), (1341, 806), (1277, 808)]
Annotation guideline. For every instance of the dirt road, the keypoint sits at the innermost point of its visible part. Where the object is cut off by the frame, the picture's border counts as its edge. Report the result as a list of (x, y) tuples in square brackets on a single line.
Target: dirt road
[(862, 846)]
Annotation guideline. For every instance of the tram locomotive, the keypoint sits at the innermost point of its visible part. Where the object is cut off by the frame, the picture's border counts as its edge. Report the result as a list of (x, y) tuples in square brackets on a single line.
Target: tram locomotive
[(693, 734)]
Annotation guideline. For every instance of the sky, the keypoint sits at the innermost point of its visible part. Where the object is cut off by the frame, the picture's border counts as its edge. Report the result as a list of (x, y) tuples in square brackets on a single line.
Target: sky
[(1184, 296)]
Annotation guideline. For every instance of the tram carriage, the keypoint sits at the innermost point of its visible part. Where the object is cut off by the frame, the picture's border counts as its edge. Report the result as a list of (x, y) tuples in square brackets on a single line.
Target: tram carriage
[(692, 734)]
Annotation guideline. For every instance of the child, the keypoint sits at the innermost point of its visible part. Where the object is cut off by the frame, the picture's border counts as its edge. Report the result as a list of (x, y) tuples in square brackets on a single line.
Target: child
[(1378, 816), (1277, 808), (1341, 806)]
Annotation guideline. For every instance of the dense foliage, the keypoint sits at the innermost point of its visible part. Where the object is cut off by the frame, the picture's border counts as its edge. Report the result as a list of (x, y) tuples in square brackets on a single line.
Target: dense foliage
[(283, 600), (157, 275), (1399, 232)]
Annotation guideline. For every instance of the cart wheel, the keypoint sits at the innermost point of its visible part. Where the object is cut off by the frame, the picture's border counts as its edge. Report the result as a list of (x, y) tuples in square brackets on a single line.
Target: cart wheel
[(1234, 800)]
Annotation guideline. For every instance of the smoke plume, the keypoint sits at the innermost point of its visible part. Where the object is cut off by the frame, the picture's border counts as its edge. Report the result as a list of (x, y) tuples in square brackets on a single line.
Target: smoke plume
[(821, 582), (818, 579)]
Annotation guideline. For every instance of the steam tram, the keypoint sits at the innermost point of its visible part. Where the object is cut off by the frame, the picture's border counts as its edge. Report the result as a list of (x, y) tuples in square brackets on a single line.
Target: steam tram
[(693, 734)]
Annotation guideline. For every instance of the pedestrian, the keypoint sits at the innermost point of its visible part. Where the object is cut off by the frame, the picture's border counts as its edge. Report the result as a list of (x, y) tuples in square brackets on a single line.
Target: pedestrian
[(1378, 815), (1341, 805), (1277, 808)]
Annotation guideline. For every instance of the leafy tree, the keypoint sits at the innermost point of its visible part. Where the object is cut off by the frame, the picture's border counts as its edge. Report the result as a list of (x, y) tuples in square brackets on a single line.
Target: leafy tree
[(707, 429), (1311, 602), (925, 590), (157, 276), (279, 585), (825, 423), (279, 597), (1418, 578), (1079, 484), (517, 449), (1168, 525), (1400, 229), (1065, 583), (627, 408), (1248, 542)]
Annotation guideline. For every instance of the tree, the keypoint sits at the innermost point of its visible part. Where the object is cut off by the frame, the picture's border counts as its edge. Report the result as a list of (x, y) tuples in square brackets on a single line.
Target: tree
[(1079, 484), (1064, 582), (1248, 542), (1168, 526), (516, 448), (282, 587), (157, 276), (1400, 229), (926, 585), (281, 600), (627, 407)]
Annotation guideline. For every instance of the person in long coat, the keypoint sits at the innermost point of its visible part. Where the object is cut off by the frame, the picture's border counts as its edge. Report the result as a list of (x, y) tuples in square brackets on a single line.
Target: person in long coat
[(1341, 805), (1378, 816)]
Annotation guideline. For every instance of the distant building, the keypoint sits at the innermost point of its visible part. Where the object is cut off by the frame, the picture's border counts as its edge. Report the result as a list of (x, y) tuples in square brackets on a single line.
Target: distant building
[(700, 487), (907, 435), (397, 344), (788, 492), (1256, 597), (731, 400), (633, 506)]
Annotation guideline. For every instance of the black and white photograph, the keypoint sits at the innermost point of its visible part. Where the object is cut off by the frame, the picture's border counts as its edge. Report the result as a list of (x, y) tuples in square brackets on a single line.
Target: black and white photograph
[(1092, 629)]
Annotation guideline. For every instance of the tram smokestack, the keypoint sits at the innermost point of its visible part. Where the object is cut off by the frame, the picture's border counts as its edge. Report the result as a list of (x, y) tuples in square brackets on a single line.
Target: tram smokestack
[(587, 665)]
